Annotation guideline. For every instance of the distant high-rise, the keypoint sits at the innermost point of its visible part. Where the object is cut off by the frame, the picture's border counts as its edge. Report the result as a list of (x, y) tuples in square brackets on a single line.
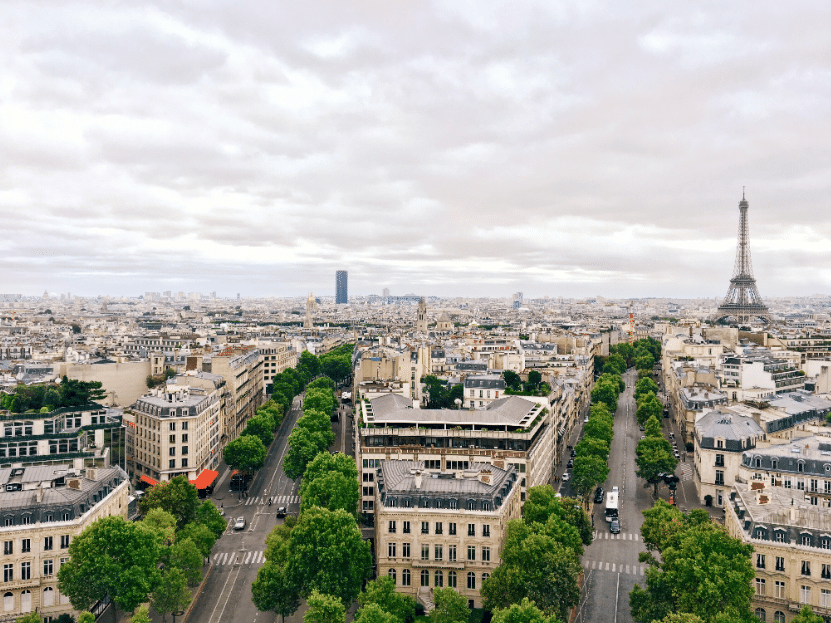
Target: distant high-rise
[(386, 293), (341, 296)]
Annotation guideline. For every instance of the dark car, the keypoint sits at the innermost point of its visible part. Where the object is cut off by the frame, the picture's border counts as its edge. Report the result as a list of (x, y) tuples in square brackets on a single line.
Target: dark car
[(281, 512), (614, 526), (599, 494), (570, 464), (573, 453)]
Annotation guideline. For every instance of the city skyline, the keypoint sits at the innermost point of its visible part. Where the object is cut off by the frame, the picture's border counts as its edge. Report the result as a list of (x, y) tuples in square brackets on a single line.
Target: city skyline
[(445, 148)]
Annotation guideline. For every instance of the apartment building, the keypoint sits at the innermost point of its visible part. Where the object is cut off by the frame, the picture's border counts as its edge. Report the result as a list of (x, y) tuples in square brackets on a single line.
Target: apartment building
[(43, 508), (480, 390), (759, 375), (177, 433), (438, 528), (791, 540), (275, 357), (242, 369), (721, 438), (89, 436), (511, 431)]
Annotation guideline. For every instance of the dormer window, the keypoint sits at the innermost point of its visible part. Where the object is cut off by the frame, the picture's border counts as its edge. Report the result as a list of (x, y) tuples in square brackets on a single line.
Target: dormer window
[(720, 443)]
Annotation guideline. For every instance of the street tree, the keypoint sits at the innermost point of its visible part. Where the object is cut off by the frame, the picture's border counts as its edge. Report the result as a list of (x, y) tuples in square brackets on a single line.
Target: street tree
[(308, 366), (700, 569), (88, 617), (323, 608), (331, 482), (319, 399), (381, 592), (373, 613), (450, 606), (599, 428), (648, 406), (177, 496), (542, 503), (162, 524), (246, 453), (31, 617), (327, 553), (653, 456), (318, 422), (274, 590), (589, 471), (114, 558), (624, 349), (142, 615), (806, 615), (615, 364), (262, 427), (607, 394), (172, 594), (592, 446), (337, 368), (208, 515), (185, 555), (535, 566), (525, 611), (534, 379), (304, 446), (652, 428), (201, 535), (645, 386), (614, 379)]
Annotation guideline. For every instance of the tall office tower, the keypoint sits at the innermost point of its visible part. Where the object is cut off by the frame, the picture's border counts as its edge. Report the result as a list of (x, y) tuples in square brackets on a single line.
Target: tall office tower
[(743, 301), (341, 297), (386, 293)]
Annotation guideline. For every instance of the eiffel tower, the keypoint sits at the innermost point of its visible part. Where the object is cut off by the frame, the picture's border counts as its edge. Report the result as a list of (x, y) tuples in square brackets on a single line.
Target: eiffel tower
[(743, 301)]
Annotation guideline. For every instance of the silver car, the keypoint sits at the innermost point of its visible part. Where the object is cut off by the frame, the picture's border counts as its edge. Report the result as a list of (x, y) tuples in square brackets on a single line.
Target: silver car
[(239, 524)]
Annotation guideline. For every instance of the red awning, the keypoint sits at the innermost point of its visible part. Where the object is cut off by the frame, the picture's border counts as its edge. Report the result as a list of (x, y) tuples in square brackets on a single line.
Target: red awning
[(148, 480), (205, 479)]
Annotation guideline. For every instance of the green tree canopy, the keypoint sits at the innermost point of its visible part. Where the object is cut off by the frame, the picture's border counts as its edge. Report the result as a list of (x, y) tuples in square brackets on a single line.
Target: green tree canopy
[(162, 523), (208, 515), (542, 503), (246, 453), (142, 615), (308, 366), (607, 393), (512, 380), (702, 570), (337, 368), (373, 613), (381, 592), (176, 496), (652, 428), (171, 594), (320, 399), (327, 553), (653, 456), (535, 566), (201, 536), (275, 590), (317, 422), (304, 446), (615, 364), (525, 611), (592, 446), (806, 615), (184, 554), (648, 406), (111, 557), (262, 427), (589, 471), (599, 428), (324, 608), (534, 378), (615, 379), (645, 386), (331, 481), (451, 607)]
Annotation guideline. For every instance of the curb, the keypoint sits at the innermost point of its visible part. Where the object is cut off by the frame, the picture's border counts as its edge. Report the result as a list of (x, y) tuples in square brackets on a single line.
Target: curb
[(197, 594)]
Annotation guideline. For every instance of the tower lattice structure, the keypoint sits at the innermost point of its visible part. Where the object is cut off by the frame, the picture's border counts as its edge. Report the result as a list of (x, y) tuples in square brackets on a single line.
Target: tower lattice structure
[(743, 301)]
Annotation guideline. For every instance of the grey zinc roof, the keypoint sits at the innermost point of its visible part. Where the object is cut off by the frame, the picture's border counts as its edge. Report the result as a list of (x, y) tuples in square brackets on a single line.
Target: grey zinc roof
[(400, 477), (728, 426), (396, 409)]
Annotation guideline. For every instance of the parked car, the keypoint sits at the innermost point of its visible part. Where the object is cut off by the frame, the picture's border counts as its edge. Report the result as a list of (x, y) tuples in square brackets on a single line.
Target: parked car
[(586, 420), (573, 453), (570, 463), (566, 477), (281, 512), (614, 526), (599, 494), (641, 428), (239, 524)]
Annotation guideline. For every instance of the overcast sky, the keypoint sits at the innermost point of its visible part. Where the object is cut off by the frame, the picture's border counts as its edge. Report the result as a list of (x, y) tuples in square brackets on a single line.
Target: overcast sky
[(448, 148)]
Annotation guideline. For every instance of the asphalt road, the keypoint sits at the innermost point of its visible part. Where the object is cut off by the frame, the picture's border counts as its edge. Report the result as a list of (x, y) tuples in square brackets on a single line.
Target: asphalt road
[(610, 563), (238, 555)]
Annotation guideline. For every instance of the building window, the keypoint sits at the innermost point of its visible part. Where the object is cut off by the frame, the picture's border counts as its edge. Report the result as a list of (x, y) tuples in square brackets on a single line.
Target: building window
[(451, 528), (405, 550), (806, 539), (47, 543), (171, 426), (391, 550), (451, 553), (48, 596), (405, 577), (805, 594), (406, 527), (760, 586), (8, 548), (719, 477), (824, 598), (780, 563), (172, 439), (171, 452), (184, 450), (826, 572), (825, 543), (26, 571), (813, 484), (8, 573), (438, 527), (806, 567), (26, 545), (779, 590), (471, 529), (471, 552), (779, 536), (184, 462), (760, 561), (425, 577), (719, 460), (471, 581), (392, 527), (48, 567), (451, 579), (171, 463), (184, 425), (425, 527), (486, 530), (391, 573), (779, 617), (486, 554), (425, 552), (437, 552), (760, 614), (438, 579)]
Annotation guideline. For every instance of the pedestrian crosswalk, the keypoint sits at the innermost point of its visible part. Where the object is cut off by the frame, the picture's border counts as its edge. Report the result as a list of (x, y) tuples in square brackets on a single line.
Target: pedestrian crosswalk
[(241, 558), (600, 565), (686, 471), (623, 536), (276, 499)]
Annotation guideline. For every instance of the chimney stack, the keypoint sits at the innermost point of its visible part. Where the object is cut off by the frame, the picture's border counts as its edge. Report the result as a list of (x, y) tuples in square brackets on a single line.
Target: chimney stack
[(418, 479)]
